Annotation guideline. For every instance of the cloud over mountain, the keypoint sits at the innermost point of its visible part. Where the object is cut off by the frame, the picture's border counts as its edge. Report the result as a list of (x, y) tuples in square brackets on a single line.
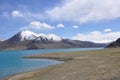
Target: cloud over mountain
[(37, 25), (86, 10), (97, 37)]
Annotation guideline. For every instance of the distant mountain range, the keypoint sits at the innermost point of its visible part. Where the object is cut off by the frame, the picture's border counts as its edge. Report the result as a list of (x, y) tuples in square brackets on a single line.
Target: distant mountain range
[(29, 40), (114, 44)]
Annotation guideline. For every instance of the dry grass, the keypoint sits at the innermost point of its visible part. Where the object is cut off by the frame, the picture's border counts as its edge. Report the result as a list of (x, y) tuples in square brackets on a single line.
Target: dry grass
[(80, 65)]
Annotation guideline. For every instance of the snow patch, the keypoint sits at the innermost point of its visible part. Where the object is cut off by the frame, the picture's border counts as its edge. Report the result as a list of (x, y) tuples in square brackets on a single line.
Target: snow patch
[(29, 35), (54, 37)]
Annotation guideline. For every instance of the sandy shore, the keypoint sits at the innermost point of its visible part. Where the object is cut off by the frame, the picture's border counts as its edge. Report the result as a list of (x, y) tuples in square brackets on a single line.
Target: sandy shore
[(80, 65)]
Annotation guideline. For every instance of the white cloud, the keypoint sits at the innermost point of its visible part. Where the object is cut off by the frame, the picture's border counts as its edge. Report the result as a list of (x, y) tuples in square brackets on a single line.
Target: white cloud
[(60, 26), (86, 10), (97, 37), (107, 30), (16, 14), (36, 25), (76, 27), (26, 15)]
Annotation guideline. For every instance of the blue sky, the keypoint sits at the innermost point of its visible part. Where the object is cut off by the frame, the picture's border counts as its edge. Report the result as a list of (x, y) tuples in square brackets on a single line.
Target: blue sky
[(86, 20)]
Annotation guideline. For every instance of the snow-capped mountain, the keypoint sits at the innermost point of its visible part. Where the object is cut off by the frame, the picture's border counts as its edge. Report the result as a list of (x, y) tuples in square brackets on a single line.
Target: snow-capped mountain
[(30, 40), (52, 37), (29, 35)]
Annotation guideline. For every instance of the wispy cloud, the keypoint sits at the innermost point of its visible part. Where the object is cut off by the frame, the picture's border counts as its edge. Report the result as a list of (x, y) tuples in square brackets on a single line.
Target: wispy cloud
[(97, 37), (31, 15), (86, 10)]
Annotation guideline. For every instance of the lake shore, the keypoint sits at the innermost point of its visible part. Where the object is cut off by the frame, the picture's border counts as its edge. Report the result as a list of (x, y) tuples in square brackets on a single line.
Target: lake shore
[(79, 65)]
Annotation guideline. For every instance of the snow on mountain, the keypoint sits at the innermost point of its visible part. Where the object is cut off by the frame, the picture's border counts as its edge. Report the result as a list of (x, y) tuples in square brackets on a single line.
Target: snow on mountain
[(42, 35), (3, 39), (29, 35), (54, 37)]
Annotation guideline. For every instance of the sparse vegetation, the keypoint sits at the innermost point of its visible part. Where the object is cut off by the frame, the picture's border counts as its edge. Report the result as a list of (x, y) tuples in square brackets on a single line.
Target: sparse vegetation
[(81, 65)]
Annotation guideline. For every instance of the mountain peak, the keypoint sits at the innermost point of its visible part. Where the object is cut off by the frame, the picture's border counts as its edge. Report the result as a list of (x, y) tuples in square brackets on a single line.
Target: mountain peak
[(29, 35), (26, 31), (30, 40)]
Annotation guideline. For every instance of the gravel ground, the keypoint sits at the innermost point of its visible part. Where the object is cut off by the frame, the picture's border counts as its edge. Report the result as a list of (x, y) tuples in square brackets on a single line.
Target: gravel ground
[(80, 65)]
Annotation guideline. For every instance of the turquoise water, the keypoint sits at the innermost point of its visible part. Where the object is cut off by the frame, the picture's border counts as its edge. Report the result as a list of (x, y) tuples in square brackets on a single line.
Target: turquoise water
[(11, 62)]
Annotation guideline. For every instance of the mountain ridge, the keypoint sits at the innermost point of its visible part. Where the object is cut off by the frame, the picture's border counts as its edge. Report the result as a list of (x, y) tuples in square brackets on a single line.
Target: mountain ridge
[(29, 35), (30, 40), (114, 44)]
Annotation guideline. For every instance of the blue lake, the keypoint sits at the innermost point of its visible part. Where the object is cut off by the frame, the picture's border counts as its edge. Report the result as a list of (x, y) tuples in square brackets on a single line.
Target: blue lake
[(11, 62)]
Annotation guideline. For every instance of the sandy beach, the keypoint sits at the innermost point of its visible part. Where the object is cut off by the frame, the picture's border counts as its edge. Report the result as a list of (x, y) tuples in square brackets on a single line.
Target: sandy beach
[(80, 65)]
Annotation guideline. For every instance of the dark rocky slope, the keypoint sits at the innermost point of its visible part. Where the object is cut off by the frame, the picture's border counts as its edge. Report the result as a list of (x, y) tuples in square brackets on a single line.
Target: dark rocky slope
[(35, 44), (114, 44)]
